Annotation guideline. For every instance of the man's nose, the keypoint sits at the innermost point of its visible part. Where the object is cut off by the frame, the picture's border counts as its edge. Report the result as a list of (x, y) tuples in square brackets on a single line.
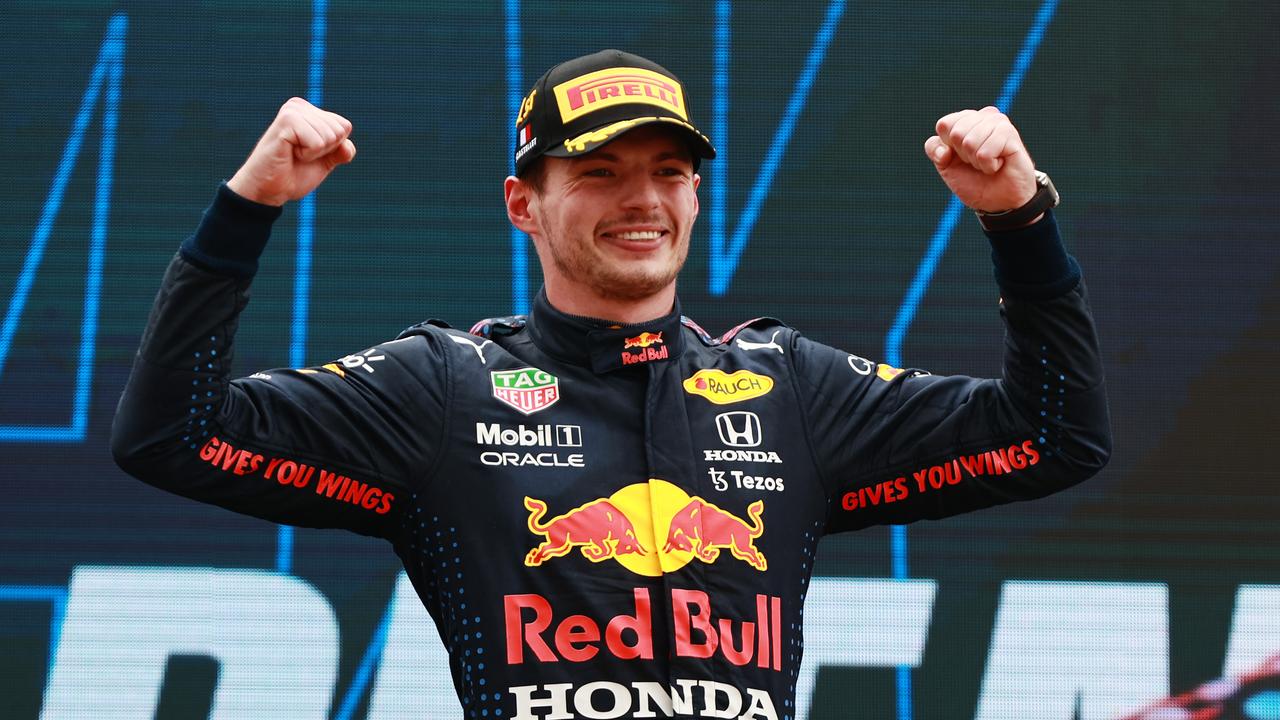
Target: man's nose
[(640, 191)]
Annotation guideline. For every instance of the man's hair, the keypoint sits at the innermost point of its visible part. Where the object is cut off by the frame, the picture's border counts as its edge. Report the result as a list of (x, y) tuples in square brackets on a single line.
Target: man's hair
[(535, 174)]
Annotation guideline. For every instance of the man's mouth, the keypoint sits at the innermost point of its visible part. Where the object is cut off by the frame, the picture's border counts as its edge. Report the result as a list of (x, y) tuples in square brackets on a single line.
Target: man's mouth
[(636, 235)]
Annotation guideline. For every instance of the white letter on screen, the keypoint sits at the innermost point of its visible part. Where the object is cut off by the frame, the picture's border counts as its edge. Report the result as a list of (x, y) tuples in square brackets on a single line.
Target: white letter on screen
[(1255, 629), (861, 623), (413, 677), (1104, 645), (274, 638)]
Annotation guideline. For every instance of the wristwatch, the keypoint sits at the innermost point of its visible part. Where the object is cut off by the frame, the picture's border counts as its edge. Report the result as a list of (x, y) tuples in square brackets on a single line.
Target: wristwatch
[(1046, 197)]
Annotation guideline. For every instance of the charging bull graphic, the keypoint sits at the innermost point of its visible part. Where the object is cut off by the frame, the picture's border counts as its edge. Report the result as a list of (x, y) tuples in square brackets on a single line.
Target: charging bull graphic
[(599, 528), (643, 340), (623, 527), (703, 529)]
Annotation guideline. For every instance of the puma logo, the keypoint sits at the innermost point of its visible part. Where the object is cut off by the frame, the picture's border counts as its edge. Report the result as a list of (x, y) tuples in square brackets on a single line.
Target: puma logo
[(748, 345), (471, 343)]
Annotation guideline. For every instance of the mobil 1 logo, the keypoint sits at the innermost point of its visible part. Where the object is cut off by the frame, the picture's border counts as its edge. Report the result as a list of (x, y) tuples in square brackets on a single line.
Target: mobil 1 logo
[(529, 445)]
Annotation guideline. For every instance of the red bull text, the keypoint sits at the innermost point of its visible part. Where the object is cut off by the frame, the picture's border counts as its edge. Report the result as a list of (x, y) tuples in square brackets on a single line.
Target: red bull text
[(697, 633)]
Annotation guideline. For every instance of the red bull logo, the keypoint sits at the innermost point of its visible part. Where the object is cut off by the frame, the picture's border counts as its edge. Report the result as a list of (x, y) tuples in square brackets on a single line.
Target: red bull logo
[(537, 633), (704, 529), (624, 527), (643, 344), (617, 86), (643, 340), (598, 528)]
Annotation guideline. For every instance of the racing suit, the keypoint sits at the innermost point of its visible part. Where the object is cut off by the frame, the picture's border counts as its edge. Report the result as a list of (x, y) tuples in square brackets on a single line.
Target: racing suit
[(608, 520)]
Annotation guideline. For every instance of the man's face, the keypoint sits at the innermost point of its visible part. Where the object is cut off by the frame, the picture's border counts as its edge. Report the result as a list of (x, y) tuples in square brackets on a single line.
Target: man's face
[(615, 223)]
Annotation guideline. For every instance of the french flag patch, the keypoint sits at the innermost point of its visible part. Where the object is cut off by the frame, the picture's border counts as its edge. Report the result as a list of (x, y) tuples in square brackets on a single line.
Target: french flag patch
[(525, 135)]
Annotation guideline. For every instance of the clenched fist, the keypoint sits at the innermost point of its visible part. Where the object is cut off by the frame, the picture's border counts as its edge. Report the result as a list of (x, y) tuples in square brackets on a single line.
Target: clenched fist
[(295, 154), (980, 156)]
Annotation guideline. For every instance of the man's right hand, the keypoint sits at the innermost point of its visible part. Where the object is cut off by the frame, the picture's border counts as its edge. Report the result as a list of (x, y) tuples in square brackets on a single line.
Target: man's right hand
[(302, 146)]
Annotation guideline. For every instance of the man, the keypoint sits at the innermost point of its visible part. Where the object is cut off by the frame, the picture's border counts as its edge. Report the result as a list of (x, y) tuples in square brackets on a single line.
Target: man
[(608, 512)]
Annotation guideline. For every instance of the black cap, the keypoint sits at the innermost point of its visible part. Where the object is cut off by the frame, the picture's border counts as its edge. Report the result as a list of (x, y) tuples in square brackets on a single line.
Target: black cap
[(583, 103)]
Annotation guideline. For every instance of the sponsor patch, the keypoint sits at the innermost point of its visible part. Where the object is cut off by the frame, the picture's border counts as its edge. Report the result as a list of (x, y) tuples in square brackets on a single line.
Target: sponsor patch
[(739, 428), (862, 366), (771, 345), (295, 474), (887, 372), (641, 348), (643, 340), (735, 455), (617, 86), (643, 699), (528, 390), (539, 445), (743, 481), (724, 388), (935, 478), (649, 528), (526, 145), (477, 346)]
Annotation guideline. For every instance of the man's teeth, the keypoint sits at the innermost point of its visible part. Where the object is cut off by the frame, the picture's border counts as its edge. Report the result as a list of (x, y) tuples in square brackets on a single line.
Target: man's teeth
[(643, 235)]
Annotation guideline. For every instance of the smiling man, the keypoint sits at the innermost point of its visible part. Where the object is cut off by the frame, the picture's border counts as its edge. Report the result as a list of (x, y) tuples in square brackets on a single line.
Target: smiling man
[(613, 224), (607, 511)]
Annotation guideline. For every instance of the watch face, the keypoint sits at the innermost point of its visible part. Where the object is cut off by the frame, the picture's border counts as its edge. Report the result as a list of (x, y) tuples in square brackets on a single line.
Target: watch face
[(1042, 179)]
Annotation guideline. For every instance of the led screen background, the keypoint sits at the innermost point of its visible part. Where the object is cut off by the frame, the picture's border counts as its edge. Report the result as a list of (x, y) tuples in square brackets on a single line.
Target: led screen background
[(1156, 121)]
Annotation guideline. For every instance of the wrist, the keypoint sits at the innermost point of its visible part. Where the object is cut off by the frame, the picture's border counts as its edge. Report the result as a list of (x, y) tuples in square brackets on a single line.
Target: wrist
[(241, 185), (1032, 211), (1032, 262), (231, 235)]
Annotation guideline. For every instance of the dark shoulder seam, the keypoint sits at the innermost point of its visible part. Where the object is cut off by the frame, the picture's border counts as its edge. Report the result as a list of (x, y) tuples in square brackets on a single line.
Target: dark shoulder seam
[(826, 487), (731, 333), (428, 476)]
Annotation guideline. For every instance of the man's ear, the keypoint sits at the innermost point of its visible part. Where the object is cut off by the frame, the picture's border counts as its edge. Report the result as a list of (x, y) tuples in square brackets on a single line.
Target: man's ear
[(520, 196)]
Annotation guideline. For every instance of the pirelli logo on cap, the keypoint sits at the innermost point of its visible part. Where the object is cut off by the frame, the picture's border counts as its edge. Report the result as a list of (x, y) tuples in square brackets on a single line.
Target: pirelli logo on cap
[(618, 86)]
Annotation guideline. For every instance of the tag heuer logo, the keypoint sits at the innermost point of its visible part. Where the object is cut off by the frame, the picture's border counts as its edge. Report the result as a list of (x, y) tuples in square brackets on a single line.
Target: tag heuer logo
[(527, 390)]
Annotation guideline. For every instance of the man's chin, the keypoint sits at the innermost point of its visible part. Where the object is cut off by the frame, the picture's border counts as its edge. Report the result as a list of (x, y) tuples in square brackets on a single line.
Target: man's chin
[(633, 287)]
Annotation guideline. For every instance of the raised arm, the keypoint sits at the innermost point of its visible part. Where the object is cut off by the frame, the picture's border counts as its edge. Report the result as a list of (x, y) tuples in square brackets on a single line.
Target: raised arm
[(902, 445), (338, 445)]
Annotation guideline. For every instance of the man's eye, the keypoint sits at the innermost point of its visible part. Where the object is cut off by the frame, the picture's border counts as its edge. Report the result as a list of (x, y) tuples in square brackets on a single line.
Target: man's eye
[(598, 172)]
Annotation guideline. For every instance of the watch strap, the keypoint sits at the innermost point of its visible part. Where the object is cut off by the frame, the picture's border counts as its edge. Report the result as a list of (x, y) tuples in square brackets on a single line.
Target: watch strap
[(1045, 198)]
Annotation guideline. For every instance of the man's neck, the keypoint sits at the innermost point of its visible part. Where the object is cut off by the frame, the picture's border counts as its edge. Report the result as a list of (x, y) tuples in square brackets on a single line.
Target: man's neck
[(617, 310)]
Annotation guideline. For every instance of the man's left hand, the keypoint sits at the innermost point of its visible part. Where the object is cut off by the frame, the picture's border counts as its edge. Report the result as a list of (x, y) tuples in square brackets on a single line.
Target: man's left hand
[(980, 156)]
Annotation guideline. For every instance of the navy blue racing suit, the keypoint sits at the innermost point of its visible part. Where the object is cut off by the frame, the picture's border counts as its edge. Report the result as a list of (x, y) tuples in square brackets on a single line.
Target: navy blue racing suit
[(608, 520)]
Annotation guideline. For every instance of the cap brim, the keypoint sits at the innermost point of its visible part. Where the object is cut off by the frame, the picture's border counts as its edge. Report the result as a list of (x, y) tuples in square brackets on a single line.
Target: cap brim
[(595, 138)]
